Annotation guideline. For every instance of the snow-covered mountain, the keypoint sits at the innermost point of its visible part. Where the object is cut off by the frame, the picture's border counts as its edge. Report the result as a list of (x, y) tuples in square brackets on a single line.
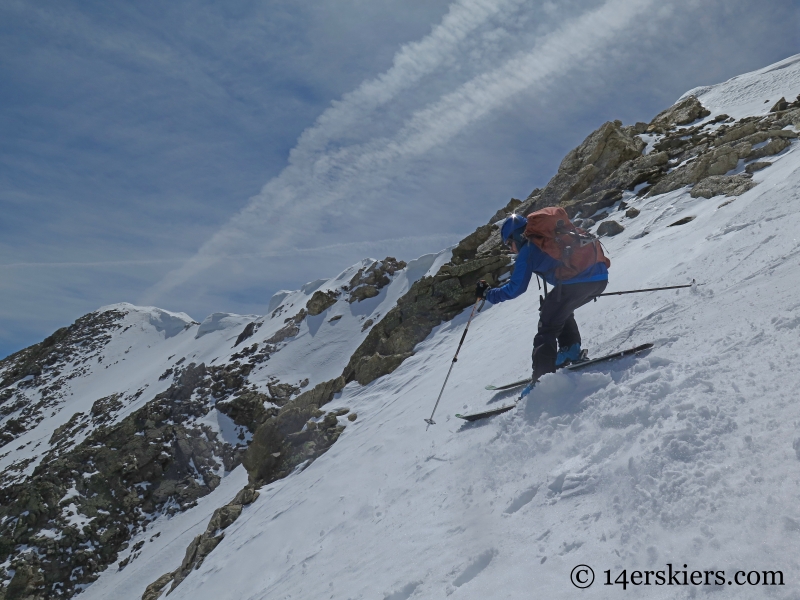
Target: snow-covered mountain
[(286, 455)]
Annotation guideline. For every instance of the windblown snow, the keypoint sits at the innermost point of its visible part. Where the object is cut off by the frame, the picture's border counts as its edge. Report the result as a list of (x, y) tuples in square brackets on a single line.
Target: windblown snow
[(686, 455)]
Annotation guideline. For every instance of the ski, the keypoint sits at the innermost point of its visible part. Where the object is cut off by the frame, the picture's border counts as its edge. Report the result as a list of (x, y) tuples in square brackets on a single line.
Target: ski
[(508, 386), (574, 367), (487, 413), (593, 361)]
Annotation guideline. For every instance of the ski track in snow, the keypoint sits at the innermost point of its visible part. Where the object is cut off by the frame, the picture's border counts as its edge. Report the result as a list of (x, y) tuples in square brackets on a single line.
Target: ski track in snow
[(686, 454)]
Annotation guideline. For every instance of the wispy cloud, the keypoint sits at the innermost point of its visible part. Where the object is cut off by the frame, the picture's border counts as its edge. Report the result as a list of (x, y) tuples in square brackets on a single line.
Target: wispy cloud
[(364, 245), (331, 175)]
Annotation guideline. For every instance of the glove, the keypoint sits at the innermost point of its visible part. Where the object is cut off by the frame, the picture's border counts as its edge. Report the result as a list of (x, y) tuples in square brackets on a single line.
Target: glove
[(481, 288)]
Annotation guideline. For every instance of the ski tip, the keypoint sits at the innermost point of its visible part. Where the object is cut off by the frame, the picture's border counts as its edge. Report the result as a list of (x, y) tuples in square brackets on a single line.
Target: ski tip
[(490, 388)]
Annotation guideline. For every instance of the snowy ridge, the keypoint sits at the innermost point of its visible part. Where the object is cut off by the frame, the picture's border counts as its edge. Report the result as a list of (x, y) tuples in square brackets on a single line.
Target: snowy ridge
[(751, 94), (75, 400), (147, 342)]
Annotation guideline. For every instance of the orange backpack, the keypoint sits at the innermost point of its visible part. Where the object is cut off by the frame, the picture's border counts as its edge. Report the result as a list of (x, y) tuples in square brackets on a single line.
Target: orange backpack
[(576, 249)]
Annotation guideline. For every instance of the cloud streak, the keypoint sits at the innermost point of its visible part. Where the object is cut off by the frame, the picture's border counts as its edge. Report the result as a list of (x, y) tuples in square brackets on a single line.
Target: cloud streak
[(328, 177)]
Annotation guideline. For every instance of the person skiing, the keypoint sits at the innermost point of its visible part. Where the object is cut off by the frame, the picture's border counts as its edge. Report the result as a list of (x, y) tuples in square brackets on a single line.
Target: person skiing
[(557, 341)]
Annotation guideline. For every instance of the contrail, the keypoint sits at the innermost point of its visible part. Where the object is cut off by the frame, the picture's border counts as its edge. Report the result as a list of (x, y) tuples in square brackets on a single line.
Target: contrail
[(322, 176)]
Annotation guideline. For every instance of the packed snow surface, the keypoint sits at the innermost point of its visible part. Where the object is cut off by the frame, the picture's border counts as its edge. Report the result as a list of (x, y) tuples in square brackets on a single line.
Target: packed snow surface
[(686, 455)]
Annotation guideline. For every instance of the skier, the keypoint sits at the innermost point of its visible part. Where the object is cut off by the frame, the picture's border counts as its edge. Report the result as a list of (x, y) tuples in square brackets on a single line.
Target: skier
[(557, 341)]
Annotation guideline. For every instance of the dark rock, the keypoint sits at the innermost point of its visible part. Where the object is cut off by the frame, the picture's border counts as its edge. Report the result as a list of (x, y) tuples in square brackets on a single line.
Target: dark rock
[(247, 495), (247, 409), (507, 210), (289, 330), (157, 444), (370, 368), (368, 281), (609, 228), (321, 301), (223, 517), (468, 247), (363, 292), (632, 213), (153, 591), (781, 104), (104, 409), (352, 417), (682, 221), (247, 332), (756, 166)]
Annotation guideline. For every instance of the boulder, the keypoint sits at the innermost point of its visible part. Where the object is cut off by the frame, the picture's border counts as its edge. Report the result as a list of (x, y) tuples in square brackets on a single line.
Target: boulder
[(609, 228), (632, 213), (756, 166), (730, 185)]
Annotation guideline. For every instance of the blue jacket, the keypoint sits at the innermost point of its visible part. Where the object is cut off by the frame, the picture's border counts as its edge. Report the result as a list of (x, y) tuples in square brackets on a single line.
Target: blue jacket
[(532, 260)]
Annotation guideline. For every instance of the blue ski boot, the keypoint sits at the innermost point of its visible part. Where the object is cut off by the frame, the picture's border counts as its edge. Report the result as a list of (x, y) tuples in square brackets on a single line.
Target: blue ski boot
[(527, 389), (569, 355)]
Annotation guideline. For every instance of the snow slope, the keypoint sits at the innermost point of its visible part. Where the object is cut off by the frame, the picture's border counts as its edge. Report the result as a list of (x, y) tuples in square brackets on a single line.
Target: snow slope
[(687, 455)]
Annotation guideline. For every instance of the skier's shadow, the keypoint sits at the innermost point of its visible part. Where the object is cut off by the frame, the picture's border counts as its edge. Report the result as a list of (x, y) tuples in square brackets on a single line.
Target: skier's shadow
[(504, 395)]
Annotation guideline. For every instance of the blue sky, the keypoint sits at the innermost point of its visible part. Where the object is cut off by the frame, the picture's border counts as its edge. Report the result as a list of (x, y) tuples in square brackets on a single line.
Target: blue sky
[(202, 156)]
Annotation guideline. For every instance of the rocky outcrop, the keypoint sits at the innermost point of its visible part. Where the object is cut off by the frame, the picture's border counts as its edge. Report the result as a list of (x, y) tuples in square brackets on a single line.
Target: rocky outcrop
[(716, 152), (594, 176), (321, 301), (682, 112), (368, 281), (202, 545), (49, 364), (99, 493), (593, 161), (248, 332)]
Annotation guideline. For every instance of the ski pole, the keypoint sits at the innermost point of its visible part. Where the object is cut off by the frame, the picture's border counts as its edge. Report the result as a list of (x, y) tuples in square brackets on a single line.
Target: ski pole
[(455, 358), (670, 287)]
